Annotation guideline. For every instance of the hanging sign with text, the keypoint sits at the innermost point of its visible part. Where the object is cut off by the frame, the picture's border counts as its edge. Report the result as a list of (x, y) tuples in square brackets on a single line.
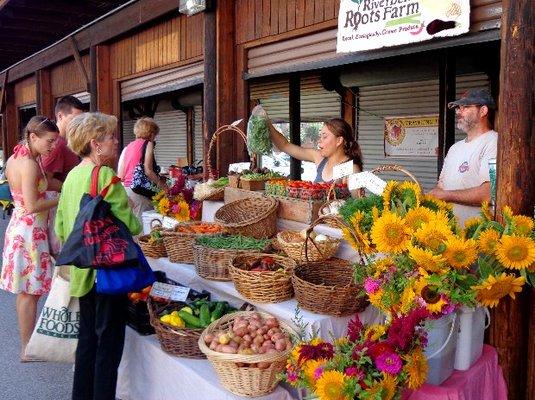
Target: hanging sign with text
[(411, 136), (372, 24)]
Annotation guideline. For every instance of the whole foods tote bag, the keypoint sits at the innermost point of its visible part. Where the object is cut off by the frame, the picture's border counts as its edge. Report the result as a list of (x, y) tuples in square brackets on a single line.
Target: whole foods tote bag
[(55, 336)]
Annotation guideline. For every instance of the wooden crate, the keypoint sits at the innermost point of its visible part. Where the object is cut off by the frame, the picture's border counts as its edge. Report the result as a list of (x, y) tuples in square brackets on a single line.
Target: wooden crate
[(254, 186), (305, 211)]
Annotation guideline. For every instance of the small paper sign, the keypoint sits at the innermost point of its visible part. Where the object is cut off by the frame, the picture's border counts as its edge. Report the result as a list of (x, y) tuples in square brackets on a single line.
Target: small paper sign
[(342, 170), (238, 167), (366, 180), (168, 222), (169, 292)]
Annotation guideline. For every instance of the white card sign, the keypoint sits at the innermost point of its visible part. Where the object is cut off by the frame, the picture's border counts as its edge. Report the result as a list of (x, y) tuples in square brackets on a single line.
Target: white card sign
[(238, 167), (168, 222), (169, 292), (366, 180), (342, 170)]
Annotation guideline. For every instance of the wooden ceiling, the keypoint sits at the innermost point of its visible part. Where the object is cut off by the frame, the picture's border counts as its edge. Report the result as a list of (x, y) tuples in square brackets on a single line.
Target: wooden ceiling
[(27, 26)]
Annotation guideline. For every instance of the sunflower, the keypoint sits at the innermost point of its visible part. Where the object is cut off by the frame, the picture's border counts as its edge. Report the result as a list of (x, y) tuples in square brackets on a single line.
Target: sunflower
[(407, 299), (387, 194), (435, 204), (492, 289), (355, 236), (411, 193), (507, 213), (516, 252), (417, 216), (310, 369), (382, 265), (330, 386), (181, 212), (376, 298), (470, 226), (374, 332), (485, 211), (488, 240), (460, 253), (390, 234), (437, 306), (433, 235), (420, 285), (522, 225), (426, 259), (385, 389), (416, 368)]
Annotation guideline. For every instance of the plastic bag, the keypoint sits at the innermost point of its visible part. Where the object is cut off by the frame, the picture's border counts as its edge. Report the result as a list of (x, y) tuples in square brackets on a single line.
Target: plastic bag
[(258, 139)]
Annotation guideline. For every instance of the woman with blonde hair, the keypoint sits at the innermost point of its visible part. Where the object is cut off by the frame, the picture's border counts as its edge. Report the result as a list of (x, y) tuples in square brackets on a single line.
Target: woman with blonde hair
[(26, 262), (102, 317), (141, 150)]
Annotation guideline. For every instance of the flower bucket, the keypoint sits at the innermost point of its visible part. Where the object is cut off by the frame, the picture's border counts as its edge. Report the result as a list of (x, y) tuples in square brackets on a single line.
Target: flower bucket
[(440, 350), (471, 334)]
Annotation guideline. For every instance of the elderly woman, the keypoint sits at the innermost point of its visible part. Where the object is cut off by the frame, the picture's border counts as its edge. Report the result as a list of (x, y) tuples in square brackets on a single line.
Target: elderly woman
[(141, 149), (102, 317)]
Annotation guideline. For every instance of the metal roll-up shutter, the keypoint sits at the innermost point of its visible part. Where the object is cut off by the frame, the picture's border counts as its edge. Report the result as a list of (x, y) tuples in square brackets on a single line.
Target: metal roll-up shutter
[(84, 97), (377, 102), (318, 104), (128, 131), (465, 82), (198, 141), (274, 97), (171, 143), (163, 81)]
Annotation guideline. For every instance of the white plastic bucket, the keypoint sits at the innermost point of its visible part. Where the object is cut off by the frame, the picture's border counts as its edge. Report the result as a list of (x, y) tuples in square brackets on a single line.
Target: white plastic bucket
[(440, 350), (471, 335)]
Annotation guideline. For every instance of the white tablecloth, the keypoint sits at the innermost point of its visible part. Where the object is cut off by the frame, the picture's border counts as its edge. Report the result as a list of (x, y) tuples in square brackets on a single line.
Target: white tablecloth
[(148, 373), (324, 325)]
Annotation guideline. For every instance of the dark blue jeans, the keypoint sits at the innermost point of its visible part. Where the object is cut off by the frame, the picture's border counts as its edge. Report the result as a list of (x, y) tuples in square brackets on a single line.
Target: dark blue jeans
[(100, 346)]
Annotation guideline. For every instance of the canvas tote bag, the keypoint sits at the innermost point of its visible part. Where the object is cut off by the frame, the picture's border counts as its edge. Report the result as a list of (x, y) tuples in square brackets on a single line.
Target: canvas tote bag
[(55, 336)]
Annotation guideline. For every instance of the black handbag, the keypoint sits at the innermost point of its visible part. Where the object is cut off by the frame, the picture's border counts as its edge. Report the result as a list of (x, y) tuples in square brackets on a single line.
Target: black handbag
[(98, 238), (141, 184)]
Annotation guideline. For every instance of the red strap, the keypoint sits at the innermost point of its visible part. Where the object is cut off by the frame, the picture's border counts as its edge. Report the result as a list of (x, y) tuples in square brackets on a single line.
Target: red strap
[(94, 183), (114, 180)]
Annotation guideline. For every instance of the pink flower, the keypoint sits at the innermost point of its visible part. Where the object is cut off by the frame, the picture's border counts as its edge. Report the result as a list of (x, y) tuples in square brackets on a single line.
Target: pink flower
[(317, 373), (371, 285), (354, 328), (449, 307), (354, 372), (389, 362), (292, 377)]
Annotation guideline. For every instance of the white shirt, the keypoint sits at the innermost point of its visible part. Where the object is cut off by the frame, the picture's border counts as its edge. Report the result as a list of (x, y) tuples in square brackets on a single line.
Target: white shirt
[(467, 166)]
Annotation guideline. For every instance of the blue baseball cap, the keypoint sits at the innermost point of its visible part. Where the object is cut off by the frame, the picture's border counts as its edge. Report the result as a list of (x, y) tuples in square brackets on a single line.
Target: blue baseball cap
[(475, 97)]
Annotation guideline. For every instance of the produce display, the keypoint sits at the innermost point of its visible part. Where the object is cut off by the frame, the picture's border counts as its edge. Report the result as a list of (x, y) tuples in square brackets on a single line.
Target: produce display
[(221, 182), (250, 335), (264, 264), (197, 314), (258, 140), (233, 242), (260, 174), (199, 228), (305, 190), (136, 297)]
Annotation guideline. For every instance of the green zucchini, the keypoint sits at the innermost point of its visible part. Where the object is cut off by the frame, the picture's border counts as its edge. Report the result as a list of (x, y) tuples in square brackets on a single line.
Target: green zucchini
[(204, 315), (190, 320), (218, 311)]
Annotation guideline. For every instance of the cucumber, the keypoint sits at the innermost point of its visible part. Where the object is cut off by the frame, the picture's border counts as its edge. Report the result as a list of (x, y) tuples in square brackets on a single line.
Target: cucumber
[(204, 316), (218, 311), (191, 320)]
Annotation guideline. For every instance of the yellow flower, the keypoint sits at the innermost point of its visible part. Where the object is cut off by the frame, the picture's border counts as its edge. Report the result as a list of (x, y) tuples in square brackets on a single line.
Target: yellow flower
[(330, 386), (416, 368), (516, 252), (375, 331), (390, 234), (485, 211), (507, 212), (341, 341), (375, 298), (460, 253), (436, 307), (294, 355), (385, 389), (310, 368), (164, 205), (433, 235), (420, 285), (426, 259), (523, 225), (183, 212), (437, 204), (417, 216), (471, 222), (407, 299), (491, 290), (413, 187), (488, 240), (316, 341), (387, 194), (354, 235)]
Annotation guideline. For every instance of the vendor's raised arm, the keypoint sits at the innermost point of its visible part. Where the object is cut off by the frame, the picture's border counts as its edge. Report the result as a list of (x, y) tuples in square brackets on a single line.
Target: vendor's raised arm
[(301, 153)]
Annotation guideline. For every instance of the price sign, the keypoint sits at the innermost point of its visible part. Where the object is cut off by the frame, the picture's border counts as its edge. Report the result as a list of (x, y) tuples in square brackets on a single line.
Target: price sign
[(169, 292), (366, 180), (342, 170), (168, 222), (238, 167)]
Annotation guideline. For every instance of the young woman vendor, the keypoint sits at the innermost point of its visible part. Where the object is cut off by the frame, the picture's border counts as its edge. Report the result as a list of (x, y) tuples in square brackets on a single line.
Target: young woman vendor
[(336, 145)]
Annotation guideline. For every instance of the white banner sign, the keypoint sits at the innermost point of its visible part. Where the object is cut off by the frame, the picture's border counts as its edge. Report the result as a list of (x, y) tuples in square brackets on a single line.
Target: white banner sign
[(411, 136), (372, 24), (366, 180)]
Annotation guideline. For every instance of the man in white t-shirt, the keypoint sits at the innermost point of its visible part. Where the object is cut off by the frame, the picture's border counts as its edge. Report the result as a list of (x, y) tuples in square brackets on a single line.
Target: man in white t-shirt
[(464, 179)]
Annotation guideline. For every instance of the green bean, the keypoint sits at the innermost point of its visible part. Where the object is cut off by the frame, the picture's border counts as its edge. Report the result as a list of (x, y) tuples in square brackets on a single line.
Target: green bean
[(236, 242)]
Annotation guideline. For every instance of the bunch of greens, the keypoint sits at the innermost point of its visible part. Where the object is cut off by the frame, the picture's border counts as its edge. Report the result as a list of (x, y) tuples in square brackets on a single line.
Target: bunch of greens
[(363, 204), (258, 140), (235, 242), (221, 182)]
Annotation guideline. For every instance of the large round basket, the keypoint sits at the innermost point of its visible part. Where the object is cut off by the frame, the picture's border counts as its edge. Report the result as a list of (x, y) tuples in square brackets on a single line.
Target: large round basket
[(154, 249), (327, 287), (303, 251), (181, 342), (213, 263), (255, 217), (179, 245), (247, 380), (266, 286)]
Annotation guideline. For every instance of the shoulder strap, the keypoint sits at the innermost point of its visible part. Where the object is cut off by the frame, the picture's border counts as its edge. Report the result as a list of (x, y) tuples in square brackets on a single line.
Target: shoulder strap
[(143, 151), (94, 183)]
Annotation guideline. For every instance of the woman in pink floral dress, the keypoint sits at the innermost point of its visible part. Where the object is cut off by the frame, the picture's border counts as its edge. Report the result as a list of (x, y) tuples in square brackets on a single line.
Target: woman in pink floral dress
[(26, 261)]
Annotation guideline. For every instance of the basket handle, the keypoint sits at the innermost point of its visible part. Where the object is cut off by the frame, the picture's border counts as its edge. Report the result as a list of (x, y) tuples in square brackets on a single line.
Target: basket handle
[(219, 131), (395, 168), (153, 225)]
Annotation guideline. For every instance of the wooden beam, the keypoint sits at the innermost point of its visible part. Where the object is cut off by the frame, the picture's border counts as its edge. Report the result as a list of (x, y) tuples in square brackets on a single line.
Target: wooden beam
[(242, 100), (104, 80), (446, 117), (45, 100), (79, 63), (92, 84), (3, 92), (210, 89), (11, 121), (509, 330), (124, 20), (295, 121), (349, 104), (4, 117)]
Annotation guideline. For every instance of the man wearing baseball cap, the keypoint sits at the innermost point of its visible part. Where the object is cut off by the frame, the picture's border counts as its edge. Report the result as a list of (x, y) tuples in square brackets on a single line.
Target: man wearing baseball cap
[(464, 179)]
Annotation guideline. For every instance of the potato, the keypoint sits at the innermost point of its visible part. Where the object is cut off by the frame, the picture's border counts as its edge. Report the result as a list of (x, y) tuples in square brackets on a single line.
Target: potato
[(223, 338), (247, 338), (272, 323), (255, 315), (240, 331), (233, 344), (271, 351), (227, 349), (277, 336), (254, 348), (213, 345), (208, 338), (264, 365), (258, 340), (280, 344), (272, 331)]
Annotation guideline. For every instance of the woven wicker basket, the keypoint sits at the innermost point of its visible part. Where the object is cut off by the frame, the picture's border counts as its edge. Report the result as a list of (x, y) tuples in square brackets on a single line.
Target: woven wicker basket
[(328, 288), (213, 263), (299, 250), (179, 245), (245, 381), (181, 342), (156, 249), (255, 217), (263, 287)]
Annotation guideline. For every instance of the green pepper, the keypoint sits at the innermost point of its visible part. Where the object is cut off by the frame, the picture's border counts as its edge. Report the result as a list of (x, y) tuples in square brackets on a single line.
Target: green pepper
[(204, 315), (190, 320)]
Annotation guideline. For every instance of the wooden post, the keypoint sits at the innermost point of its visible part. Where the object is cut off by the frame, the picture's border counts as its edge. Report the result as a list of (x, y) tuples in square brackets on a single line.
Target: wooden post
[(78, 59), (295, 121), (11, 121), (509, 330), (349, 103), (92, 85), (446, 118), (210, 93), (104, 84), (45, 100), (242, 99)]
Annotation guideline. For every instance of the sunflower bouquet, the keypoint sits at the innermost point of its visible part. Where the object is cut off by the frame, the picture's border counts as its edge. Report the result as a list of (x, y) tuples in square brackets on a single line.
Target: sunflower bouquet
[(377, 362), (177, 202)]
